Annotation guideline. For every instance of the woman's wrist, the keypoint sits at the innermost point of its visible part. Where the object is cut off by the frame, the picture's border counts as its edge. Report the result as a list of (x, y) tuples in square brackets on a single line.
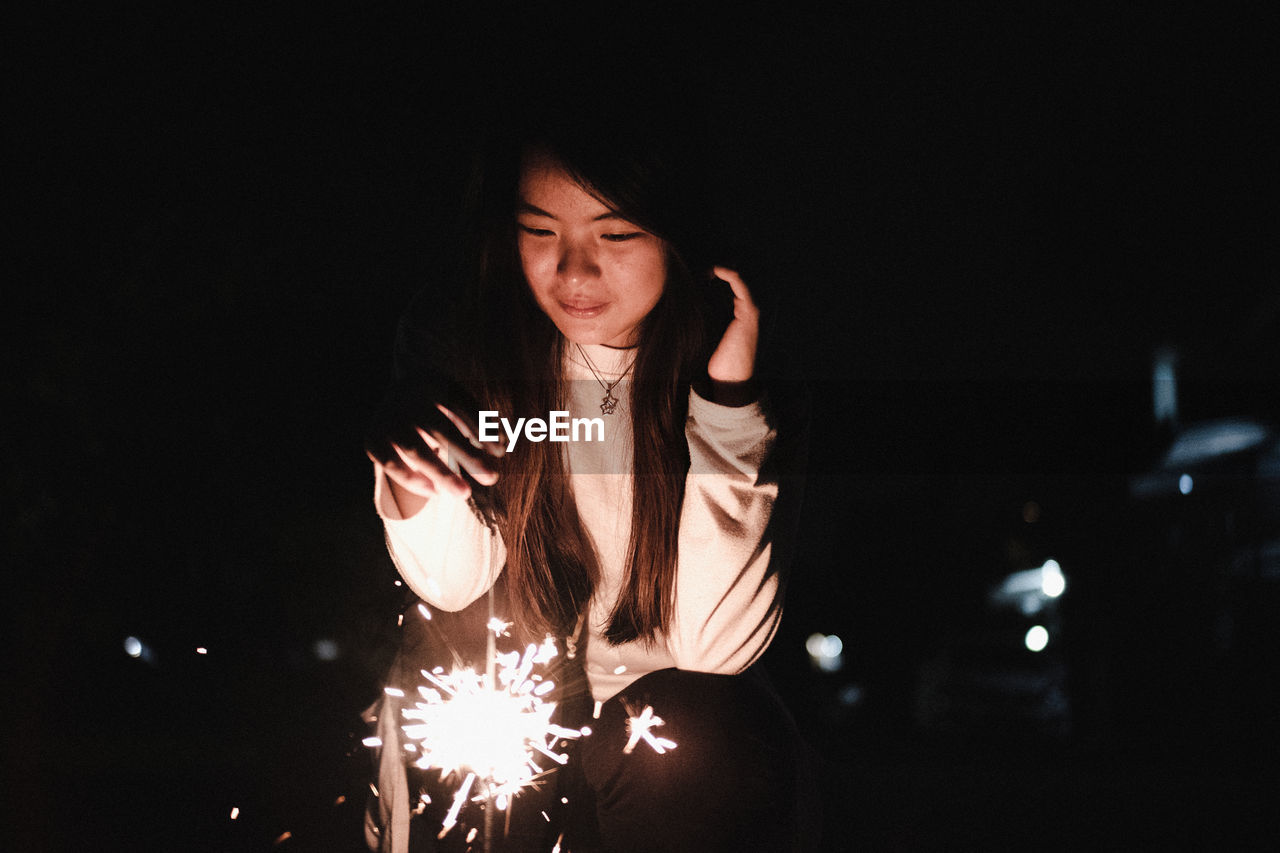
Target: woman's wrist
[(732, 394)]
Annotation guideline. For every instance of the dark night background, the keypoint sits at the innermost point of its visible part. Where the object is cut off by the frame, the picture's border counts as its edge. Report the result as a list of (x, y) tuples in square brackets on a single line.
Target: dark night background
[(976, 223)]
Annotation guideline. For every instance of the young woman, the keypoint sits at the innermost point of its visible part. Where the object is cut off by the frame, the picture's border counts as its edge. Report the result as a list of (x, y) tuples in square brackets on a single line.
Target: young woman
[(651, 545)]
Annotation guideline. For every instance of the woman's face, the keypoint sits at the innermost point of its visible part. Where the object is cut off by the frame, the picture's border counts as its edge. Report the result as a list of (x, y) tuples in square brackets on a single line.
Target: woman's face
[(596, 275)]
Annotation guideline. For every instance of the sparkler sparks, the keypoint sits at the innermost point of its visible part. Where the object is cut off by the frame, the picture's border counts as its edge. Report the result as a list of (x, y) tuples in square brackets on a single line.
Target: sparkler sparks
[(451, 819), (495, 726), (639, 727)]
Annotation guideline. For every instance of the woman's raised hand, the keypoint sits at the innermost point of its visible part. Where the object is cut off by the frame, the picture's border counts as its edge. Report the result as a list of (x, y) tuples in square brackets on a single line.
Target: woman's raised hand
[(732, 365), (423, 446)]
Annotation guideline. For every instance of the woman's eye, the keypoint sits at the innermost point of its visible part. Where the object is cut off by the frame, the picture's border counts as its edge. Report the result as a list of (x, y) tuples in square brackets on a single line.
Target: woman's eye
[(536, 232), (623, 237)]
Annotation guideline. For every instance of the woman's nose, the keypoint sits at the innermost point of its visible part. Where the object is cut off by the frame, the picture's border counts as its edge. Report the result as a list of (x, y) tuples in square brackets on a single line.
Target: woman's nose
[(577, 264)]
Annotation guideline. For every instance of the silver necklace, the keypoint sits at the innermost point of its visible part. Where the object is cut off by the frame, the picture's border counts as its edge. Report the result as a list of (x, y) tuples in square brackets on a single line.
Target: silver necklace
[(608, 402)]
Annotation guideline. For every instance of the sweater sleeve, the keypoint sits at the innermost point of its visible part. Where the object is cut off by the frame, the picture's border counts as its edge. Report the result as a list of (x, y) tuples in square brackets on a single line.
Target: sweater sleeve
[(728, 603), (445, 553)]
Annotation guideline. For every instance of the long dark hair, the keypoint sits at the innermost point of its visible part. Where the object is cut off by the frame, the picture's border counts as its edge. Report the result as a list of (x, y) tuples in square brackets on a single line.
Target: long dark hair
[(515, 356)]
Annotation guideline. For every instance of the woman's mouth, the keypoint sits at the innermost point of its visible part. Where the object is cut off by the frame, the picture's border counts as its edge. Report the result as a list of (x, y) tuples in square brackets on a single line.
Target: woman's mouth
[(583, 310)]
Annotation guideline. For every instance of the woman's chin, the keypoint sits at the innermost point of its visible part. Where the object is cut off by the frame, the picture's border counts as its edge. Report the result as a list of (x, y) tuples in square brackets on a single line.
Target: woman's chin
[(585, 334)]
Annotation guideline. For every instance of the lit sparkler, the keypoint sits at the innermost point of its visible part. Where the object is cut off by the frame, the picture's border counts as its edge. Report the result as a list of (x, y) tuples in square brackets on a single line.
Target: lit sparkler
[(494, 727)]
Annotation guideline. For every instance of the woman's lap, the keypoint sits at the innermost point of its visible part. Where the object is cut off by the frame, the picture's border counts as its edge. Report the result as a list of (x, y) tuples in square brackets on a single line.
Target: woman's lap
[(735, 780)]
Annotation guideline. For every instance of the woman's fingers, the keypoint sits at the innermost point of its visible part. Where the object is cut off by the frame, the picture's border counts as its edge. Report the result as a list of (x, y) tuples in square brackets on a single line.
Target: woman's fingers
[(741, 295), (455, 454), (404, 476), (417, 465), (427, 453), (426, 463), (471, 431), (734, 359)]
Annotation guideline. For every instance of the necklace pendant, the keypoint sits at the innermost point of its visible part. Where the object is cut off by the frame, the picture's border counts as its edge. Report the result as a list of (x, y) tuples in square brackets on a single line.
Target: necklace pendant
[(608, 403)]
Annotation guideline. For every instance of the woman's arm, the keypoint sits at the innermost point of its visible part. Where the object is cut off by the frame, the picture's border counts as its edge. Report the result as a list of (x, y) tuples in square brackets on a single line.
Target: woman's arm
[(728, 600), (444, 552), (421, 442)]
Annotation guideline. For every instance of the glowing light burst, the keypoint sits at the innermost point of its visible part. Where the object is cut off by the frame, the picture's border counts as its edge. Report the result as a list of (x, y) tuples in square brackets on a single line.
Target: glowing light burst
[(640, 727), (494, 727)]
